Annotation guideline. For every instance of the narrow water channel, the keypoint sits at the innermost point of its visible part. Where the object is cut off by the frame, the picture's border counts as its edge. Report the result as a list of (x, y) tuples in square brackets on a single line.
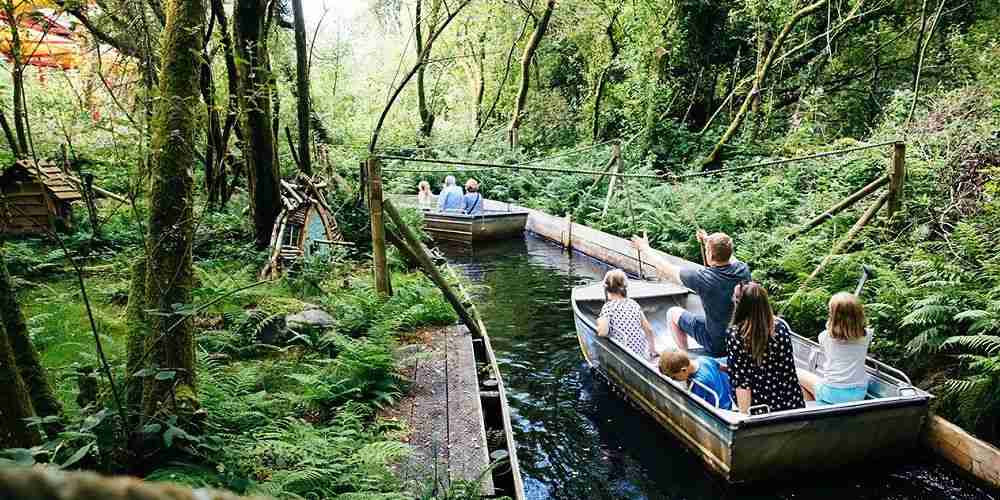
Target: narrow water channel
[(578, 440)]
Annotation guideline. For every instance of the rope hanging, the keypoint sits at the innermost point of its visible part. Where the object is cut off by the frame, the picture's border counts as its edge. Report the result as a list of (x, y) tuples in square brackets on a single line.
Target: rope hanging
[(482, 166)]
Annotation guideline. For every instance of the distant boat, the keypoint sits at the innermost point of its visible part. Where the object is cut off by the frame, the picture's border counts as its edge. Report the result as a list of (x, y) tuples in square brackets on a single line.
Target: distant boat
[(743, 447), (499, 221)]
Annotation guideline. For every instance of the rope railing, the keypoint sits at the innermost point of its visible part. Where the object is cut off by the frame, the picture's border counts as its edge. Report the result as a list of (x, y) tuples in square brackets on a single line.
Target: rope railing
[(482, 166), (479, 166), (771, 163)]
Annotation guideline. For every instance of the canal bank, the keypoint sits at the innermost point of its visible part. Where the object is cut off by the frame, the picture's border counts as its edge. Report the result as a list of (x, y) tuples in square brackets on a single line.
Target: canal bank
[(577, 439)]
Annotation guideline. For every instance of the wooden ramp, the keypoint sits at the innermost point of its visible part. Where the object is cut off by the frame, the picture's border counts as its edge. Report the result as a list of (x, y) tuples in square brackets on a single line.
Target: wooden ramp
[(444, 413)]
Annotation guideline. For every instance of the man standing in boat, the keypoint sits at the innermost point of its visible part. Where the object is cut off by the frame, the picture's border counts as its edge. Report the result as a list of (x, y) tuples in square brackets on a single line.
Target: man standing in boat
[(713, 283)]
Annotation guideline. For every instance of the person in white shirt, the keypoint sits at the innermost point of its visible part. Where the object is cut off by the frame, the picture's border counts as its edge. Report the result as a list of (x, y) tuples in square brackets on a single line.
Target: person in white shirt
[(842, 378), (451, 197), (425, 199)]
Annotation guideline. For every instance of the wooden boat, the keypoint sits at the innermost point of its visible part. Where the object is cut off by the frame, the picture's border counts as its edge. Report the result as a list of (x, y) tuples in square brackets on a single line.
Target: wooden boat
[(743, 447)]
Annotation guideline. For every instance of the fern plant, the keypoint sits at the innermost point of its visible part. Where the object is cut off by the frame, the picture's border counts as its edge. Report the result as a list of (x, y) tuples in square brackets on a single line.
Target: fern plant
[(976, 391)]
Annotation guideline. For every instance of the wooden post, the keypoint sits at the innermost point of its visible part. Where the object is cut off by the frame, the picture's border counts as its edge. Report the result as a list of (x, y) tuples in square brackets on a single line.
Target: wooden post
[(568, 235), (88, 197), (382, 284), (847, 202), (411, 247), (616, 154), (842, 244), (896, 178)]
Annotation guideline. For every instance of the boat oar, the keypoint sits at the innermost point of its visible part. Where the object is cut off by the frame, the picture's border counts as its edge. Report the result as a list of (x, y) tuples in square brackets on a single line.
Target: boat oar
[(631, 213), (694, 222), (866, 272), (701, 245)]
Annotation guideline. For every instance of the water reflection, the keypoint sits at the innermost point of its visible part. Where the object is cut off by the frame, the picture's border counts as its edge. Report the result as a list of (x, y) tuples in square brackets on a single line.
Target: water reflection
[(578, 440)]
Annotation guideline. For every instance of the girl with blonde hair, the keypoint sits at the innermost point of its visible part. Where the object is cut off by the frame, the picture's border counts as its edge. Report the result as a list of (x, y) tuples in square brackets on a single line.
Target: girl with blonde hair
[(622, 318), (842, 377), (424, 195)]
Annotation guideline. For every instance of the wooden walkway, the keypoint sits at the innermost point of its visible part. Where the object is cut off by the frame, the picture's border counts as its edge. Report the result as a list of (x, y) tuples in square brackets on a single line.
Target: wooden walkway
[(444, 413)]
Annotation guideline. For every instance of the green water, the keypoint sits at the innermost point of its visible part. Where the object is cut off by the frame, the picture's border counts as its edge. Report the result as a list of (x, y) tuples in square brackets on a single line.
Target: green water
[(577, 439)]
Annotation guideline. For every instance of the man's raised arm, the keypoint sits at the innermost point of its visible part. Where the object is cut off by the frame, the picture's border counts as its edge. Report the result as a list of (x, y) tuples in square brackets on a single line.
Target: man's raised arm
[(664, 268)]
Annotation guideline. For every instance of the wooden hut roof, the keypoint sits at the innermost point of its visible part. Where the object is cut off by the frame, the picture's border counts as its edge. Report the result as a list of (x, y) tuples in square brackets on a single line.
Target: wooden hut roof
[(51, 176)]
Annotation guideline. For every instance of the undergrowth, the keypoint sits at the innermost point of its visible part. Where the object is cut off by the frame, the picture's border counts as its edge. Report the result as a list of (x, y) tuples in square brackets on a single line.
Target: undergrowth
[(290, 413)]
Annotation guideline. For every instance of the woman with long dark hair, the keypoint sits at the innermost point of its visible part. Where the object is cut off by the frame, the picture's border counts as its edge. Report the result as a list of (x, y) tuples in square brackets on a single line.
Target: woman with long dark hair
[(761, 364)]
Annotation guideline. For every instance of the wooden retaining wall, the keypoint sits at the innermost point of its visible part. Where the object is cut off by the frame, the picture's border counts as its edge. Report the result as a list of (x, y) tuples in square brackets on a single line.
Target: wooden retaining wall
[(597, 244), (972, 455)]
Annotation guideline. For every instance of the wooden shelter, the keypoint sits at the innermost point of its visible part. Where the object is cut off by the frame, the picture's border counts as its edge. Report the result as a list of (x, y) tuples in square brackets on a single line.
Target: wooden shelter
[(34, 199), (304, 227)]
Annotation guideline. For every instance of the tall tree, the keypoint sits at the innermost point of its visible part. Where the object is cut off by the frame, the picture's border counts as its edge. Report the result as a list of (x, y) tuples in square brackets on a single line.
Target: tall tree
[(302, 83), (138, 333), (220, 191), (423, 48), (15, 404), (602, 80), (450, 15), (171, 199), (17, 67), (29, 367), (476, 73), (713, 158), (526, 58), (250, 25)]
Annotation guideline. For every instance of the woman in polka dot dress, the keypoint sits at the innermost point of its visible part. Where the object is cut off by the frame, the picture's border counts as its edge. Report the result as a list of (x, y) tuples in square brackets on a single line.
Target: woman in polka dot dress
[(622, 317), (761, 364)]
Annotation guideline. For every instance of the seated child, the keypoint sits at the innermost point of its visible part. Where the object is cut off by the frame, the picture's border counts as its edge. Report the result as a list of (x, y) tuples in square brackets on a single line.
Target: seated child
[(842, 377), (707, 371), (622, 318)]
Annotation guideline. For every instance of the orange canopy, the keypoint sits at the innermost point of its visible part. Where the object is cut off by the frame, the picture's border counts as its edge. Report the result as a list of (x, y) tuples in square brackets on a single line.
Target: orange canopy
[(47, 40)]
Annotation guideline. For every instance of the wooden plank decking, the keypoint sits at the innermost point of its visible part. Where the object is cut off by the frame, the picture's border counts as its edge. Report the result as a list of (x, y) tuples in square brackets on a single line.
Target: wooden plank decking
[(444, 413)]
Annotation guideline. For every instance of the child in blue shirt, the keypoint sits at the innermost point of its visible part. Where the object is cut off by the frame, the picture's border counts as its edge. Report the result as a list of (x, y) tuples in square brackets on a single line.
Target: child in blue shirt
[(706, 371)]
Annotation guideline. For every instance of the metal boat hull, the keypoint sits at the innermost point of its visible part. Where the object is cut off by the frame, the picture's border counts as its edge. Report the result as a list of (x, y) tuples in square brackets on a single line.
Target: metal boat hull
[(488, 226)]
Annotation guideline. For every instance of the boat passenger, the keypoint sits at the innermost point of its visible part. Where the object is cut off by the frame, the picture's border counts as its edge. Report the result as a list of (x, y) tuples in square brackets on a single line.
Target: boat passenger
[(622, 318), (713, 283), (842, 377), (706, 371), (473, 200), (425, 199), (761, 363), (451, 197)]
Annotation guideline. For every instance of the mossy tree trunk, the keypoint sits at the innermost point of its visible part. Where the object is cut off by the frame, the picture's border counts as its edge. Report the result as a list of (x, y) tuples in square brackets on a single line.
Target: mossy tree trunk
[(15, 403), (168, 265), (526, 58), (255, 98), (138, 332), (714, 159), (26, 359), (602, 80), (423, 48), (17, 78), (303, 93)]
